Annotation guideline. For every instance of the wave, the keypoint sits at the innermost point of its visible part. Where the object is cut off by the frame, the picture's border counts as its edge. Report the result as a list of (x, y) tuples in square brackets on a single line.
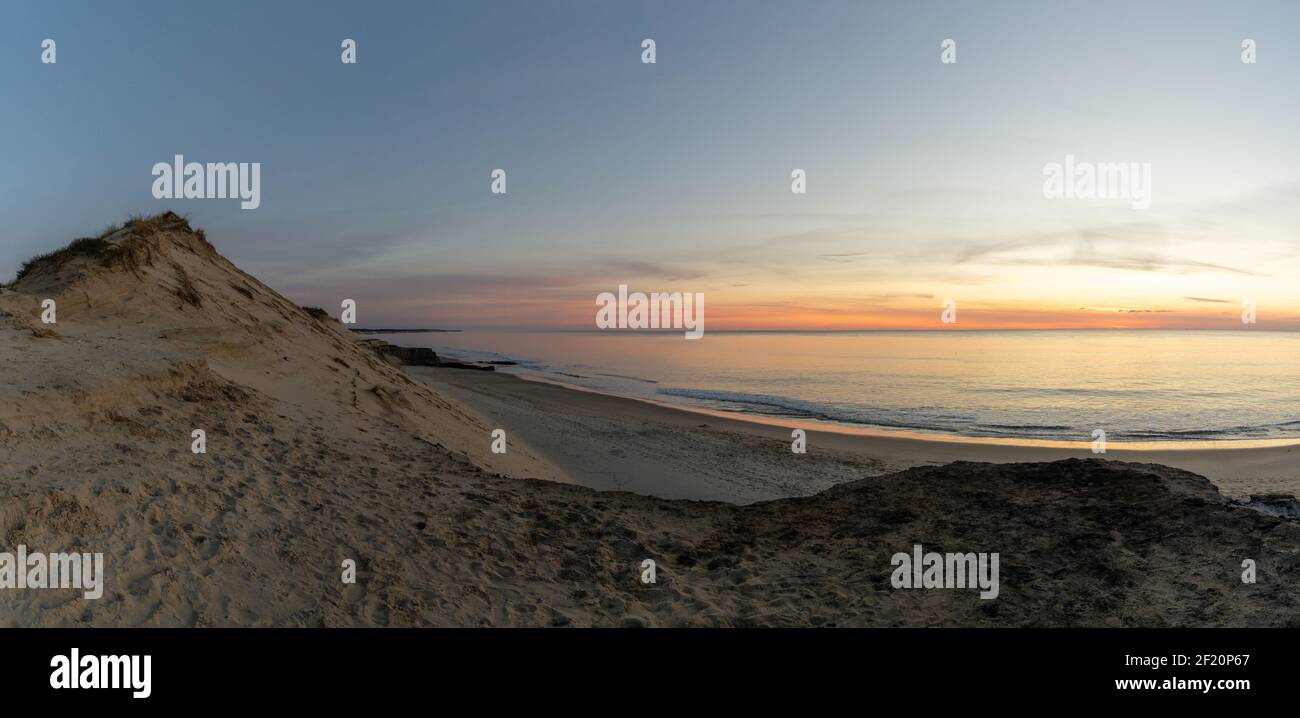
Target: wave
[(799, 409), (936, 420)]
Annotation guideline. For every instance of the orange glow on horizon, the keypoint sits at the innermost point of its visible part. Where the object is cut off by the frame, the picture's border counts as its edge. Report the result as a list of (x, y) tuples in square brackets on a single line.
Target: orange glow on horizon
[(738, 317)]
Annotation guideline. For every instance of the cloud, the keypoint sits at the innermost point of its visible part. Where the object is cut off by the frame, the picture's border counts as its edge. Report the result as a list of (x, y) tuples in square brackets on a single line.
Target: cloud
[(1105, 247), (1123, 310), (845, 257), (639, 269)]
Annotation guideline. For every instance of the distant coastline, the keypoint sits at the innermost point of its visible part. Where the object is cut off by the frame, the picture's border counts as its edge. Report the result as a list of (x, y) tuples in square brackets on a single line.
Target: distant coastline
[(401, 331)]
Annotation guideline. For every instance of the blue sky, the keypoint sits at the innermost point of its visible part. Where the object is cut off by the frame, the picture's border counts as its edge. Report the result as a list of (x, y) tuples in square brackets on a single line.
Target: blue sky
[(924, 178)]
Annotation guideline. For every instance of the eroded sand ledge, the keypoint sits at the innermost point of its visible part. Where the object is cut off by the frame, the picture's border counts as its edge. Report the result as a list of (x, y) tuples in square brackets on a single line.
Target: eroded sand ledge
[(319, 450)]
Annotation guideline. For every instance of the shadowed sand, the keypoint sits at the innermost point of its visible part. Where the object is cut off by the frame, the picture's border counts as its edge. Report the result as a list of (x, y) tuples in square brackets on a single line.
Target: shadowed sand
[(320, 450)]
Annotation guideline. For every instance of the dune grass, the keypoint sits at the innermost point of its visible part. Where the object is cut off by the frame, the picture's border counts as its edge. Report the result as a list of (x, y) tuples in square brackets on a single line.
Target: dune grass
[(84, 247), (101, 248)]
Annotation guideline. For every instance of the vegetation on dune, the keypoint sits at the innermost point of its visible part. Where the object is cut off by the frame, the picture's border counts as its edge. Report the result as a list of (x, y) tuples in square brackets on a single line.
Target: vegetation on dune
[(84, 247), (140, 226), (104, 249)]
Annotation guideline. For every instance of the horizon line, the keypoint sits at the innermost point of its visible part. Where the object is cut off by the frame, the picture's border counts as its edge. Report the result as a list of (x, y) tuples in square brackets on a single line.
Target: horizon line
[(518, 330)]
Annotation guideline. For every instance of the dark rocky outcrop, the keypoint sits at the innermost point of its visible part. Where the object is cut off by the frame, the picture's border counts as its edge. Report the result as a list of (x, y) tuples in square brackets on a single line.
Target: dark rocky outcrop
[(416, 356), (1279, 505)]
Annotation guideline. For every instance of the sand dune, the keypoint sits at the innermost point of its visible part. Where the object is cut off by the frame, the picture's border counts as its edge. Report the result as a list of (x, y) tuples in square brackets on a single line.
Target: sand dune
[(319, 450), (158, 335)]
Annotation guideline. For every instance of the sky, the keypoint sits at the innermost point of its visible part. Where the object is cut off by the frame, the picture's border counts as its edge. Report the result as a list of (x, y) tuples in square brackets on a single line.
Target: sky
[(925, 179)]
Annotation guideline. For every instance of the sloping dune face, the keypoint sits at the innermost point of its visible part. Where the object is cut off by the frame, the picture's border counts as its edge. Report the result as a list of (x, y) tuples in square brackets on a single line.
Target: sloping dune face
[(311, 440)]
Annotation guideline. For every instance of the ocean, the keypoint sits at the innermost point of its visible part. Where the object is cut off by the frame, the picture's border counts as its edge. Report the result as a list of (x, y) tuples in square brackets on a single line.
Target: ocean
[(1136, 386)]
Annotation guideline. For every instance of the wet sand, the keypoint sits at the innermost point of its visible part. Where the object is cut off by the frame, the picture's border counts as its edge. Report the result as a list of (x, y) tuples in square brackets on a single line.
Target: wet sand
[(608, 442)]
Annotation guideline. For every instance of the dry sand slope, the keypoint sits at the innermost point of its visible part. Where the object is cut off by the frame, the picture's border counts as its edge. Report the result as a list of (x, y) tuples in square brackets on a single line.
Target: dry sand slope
[(309, 437), (318, 451)]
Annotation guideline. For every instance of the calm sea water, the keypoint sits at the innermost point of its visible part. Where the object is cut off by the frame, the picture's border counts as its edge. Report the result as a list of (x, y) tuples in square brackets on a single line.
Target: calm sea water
[(1054, 385)]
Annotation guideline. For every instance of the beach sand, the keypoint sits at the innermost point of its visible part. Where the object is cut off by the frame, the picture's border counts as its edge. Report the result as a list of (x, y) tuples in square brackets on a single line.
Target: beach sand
[(319, 450), (608, 442)]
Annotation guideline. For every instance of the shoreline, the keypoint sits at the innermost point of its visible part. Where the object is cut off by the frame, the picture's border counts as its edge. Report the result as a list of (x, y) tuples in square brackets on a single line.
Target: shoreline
[(851, 428), (743, 458), (834, 427)]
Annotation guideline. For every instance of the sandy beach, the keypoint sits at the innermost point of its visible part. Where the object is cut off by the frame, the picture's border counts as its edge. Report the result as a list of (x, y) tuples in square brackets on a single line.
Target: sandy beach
[(613, 443), (320, 450)]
